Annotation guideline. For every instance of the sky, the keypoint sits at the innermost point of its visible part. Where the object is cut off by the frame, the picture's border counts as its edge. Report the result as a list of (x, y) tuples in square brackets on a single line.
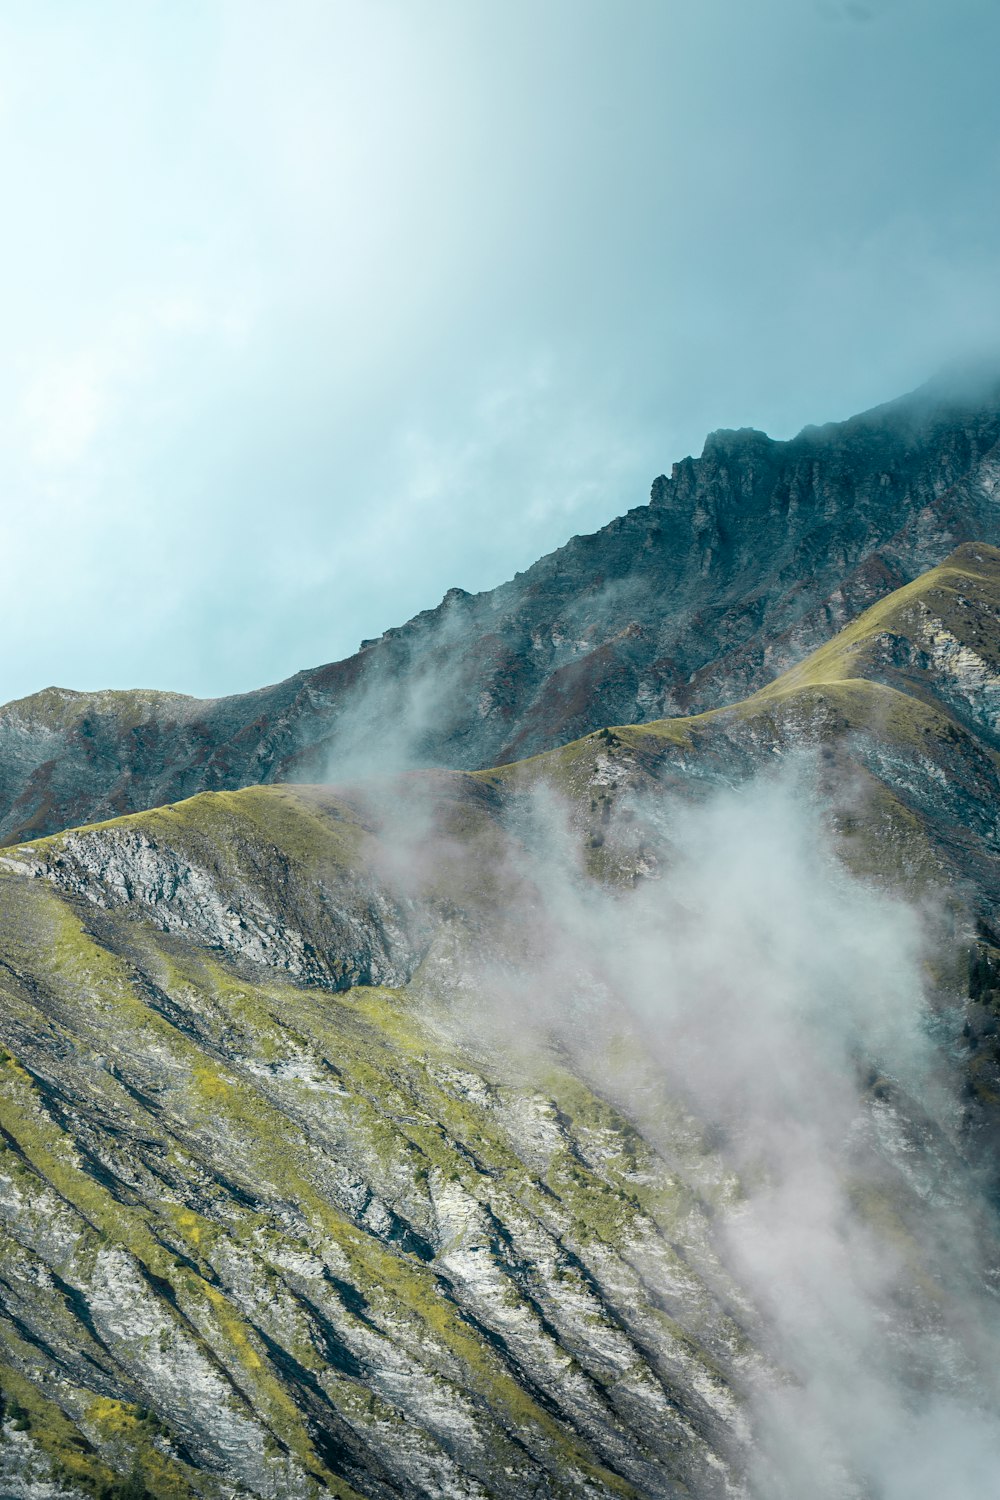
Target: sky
[(313, 311)]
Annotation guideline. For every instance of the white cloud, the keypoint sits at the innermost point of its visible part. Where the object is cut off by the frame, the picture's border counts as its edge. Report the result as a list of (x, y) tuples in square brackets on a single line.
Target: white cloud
[(783, 1047), (75, 400), (64, 407)]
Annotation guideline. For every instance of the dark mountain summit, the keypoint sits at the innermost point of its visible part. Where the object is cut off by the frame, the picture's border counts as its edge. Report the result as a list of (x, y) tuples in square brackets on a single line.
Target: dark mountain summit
[(744, 560)]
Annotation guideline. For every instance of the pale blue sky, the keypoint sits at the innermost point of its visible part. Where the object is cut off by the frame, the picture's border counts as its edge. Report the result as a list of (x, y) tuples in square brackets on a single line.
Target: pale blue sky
[(313, 310)]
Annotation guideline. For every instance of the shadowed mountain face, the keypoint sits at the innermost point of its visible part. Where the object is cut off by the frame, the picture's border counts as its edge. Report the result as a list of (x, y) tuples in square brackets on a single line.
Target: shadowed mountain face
[(571, 1128), (743, 561)]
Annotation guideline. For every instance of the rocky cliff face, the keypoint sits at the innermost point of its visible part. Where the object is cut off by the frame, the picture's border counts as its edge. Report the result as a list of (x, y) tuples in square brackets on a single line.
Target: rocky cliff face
[(339, 1155), (743, 561)]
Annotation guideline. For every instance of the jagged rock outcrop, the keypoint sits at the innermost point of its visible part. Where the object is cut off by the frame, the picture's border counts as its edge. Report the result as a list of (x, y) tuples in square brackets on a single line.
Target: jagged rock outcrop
[(292, 885), (744, 560)]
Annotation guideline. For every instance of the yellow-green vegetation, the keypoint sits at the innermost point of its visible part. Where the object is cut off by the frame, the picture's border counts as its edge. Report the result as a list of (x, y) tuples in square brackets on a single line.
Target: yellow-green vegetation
[(881, 838), (62, 708), (224, 1133), (940, 593), (59, 1438), (304, 825), (963, 594), (570, 768), (128, 1434)]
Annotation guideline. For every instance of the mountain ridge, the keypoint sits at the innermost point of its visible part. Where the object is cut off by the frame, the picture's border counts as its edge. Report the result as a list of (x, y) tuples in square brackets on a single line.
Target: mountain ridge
[(744, 560), (917, 675)]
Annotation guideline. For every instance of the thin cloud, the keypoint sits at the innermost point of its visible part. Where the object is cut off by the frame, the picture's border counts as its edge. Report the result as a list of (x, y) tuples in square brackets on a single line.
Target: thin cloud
[(749, 985)]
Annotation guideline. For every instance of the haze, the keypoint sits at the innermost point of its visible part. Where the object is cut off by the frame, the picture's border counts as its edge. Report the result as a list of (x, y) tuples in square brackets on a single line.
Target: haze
[(310, 315)]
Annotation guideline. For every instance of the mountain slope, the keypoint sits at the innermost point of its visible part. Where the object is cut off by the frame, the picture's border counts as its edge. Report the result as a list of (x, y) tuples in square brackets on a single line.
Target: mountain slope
[(317, 881), (287, 1204), (903, 707), (744, 560)]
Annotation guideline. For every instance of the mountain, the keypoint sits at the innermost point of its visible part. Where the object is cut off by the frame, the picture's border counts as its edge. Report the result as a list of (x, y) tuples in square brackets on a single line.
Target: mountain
[(351, 1144), (743, 561)]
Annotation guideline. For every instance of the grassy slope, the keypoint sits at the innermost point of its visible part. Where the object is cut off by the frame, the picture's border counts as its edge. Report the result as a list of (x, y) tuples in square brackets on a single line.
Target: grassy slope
[(261, 1174), (63, 708)]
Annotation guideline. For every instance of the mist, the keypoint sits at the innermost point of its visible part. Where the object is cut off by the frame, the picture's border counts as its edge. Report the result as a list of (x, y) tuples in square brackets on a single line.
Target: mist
[(788, 1035)]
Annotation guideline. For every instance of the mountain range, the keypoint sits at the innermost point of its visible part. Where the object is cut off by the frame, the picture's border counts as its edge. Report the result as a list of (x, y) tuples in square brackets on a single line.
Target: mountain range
[(554, 1052), (743, 561)]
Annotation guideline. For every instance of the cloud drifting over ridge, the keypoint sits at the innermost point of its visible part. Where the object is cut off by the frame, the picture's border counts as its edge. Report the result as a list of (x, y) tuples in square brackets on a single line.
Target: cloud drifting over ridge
[(783, 1008)]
